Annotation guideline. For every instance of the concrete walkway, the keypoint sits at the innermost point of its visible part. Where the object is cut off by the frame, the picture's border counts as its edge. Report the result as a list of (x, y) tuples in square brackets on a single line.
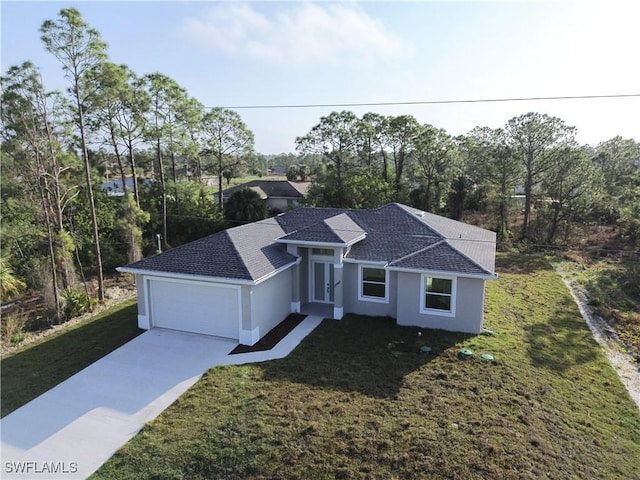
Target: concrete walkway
[(71, 430)]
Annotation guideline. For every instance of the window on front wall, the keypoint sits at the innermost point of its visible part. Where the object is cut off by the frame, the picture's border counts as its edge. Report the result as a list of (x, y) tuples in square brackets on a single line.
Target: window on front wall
[(324, 252), (438, 295), (374, 284)]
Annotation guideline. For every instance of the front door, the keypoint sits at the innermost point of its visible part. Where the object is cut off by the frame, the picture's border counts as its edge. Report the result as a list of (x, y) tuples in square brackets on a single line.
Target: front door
[(322, 282)]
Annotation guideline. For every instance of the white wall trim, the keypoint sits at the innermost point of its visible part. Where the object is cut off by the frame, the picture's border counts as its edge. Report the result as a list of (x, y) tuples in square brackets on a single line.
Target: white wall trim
[(307, 243), (194, 282), (184, 276), (249, 337), (323, 244), (143, 322), (338, 313), (435, 273), (382, 263), (295, 307)]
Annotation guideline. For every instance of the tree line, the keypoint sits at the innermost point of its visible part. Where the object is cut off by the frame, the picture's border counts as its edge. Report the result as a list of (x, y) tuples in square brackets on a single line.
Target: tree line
[(375, 159), (57, 147), (59, 227)]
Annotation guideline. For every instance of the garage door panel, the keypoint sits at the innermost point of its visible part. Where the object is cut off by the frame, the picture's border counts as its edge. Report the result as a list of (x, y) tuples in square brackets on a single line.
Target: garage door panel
[(195, 307)]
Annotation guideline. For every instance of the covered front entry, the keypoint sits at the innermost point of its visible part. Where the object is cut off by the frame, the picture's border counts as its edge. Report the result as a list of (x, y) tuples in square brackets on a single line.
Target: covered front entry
[(197, 307), (322, 282)]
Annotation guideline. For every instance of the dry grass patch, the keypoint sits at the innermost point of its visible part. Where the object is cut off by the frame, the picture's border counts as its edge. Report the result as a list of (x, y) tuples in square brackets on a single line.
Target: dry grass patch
[(613, 288)]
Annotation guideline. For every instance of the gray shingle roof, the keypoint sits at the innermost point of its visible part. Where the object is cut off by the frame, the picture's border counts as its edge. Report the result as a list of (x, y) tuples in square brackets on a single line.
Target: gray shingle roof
[(337, 229), (242, 253), (473, 242), (346, 229), (272, 188), (398, 235), (440, 257), (255, 246), (319, 233)]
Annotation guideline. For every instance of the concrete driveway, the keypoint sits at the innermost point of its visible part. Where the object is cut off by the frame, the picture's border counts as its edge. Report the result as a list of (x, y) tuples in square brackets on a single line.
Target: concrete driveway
[(71, 430)]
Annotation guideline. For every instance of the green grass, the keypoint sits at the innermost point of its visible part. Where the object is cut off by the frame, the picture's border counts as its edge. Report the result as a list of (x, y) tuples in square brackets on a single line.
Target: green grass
[(613, 287), (42, 365), (346, 405)]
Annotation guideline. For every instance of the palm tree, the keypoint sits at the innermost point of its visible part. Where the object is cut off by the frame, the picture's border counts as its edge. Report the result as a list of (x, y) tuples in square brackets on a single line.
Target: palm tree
[(244, 206), (10, 285)]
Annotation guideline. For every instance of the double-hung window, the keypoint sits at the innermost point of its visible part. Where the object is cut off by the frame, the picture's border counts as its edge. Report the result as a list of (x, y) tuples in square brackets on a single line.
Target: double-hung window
[(374, 284), (438, 295)]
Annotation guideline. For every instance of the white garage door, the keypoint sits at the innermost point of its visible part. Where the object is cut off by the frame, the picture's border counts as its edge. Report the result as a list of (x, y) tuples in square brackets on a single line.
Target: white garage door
[(195, 307)]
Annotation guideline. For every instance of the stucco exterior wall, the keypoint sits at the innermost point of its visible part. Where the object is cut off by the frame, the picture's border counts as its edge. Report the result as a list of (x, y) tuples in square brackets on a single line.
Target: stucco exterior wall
[(271, 302), (353, 305), (141, 292), (282, 204), (469, 303), (144, 322), (304, 274), (245, 300)]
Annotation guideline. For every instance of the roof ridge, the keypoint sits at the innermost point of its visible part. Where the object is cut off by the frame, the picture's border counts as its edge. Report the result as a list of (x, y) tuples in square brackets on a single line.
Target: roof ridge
[(235, 248), (464, 255), (433, 245)]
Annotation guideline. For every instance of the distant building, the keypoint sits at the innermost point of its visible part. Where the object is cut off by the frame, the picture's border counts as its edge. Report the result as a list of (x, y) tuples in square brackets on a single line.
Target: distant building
[(280, 195), (114, 187), (278, 170)]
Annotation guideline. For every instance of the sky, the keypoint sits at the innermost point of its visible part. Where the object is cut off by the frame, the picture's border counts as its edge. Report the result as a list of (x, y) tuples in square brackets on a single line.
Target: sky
[(239, 54)]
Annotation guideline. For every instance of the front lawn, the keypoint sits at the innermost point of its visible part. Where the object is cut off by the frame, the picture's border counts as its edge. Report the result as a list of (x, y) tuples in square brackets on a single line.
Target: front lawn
[(40, 366), (357, 400)]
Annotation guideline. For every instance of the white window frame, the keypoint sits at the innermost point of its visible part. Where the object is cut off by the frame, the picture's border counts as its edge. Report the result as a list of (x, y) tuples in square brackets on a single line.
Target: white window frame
[(365, 298), (423, 292)]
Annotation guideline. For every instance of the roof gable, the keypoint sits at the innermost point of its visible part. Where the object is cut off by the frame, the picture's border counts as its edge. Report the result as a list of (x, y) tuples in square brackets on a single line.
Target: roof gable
[(338, 230)]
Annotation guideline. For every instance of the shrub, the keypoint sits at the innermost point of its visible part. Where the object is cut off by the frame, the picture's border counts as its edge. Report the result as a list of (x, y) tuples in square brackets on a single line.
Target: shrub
[(12, 329), (76, 302)]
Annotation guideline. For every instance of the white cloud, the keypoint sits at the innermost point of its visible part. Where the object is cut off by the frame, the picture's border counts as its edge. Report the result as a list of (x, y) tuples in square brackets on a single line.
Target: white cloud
[(305, 34)]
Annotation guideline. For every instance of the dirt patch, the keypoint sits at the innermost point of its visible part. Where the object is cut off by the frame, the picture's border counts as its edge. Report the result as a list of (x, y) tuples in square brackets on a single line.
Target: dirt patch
[(272, 338), (623, 363)]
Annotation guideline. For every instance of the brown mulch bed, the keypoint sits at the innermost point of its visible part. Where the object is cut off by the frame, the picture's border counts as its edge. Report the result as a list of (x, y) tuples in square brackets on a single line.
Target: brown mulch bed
[(272, 338)]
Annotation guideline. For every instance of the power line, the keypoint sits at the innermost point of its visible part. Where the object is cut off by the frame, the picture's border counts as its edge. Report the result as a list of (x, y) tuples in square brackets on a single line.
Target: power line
[(429, 102)]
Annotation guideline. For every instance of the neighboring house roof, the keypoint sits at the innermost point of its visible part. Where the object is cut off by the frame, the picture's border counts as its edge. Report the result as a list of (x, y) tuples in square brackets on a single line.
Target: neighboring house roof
[(272, 188), (259, 191), (301, 187), (114, 187), (400, 236)]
